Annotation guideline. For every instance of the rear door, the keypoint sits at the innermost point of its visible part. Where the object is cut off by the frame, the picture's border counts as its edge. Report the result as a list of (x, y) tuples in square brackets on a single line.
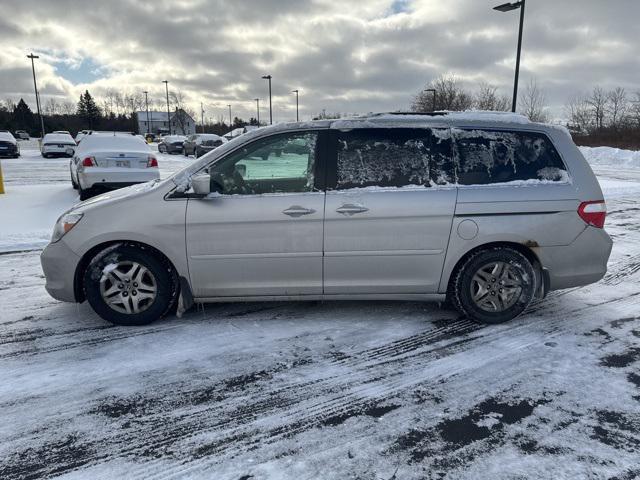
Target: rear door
[(389, 213)]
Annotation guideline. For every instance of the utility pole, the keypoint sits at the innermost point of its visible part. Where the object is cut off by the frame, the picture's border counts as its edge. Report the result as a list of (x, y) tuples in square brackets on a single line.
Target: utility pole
[(146, 102), (268, 77), (35, 86), (297, 98), (230, 121), (166, 84), (258, 110)]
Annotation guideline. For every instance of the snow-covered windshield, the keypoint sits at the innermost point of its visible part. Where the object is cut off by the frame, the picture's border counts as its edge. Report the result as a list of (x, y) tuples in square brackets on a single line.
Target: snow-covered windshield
[(63, 138)]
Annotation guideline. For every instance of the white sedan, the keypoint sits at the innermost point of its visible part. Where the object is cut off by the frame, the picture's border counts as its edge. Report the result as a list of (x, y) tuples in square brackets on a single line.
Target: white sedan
[(57, 145), (108, 162)]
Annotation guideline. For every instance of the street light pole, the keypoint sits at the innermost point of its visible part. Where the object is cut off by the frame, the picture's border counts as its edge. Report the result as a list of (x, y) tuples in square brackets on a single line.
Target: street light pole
[(202, 115), (507, 7), (257, 110), (35, 86), (146, 102), (297, 102), (268, 77), (166, 85), (230, 121)]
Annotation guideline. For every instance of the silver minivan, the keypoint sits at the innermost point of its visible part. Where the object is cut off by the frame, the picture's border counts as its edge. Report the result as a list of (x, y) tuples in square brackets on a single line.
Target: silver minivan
[(486, 210)]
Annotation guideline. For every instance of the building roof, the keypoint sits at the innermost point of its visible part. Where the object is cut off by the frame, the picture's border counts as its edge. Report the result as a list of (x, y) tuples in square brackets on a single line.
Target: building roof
[(155, 116)]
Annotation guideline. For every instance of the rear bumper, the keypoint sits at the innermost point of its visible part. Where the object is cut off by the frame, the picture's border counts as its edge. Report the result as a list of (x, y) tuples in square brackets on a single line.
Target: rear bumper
[(111, 179), (59, 264), (582, 262)]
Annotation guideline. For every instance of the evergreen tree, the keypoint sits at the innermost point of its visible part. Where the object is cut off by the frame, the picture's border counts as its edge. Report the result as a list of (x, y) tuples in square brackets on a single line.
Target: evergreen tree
[(22, 117), (88, 110)]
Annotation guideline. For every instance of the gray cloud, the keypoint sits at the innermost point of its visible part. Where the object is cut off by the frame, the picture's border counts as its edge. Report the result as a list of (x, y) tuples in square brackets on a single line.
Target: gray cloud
[(343, 56)]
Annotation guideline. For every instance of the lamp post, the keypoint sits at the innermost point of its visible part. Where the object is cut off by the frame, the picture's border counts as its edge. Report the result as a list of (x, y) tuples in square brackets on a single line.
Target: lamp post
[(166, 84), (507, 7), (146, 102), (257, 110), (230, 121), (432, 90), (268, 77), (35, 86), (202, 115), (297, 92)]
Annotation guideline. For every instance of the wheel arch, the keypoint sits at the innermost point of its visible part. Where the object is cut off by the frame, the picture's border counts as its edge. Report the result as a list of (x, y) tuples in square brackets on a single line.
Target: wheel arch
[(525, 250), (78, 288)]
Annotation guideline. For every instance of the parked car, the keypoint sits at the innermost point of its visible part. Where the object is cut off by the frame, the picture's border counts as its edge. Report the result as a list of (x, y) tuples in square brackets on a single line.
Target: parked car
[(8, 145), (489, 211), (201, 143), (57, 145), (108, 162), (80, 135), (171, 144), (21, 135)]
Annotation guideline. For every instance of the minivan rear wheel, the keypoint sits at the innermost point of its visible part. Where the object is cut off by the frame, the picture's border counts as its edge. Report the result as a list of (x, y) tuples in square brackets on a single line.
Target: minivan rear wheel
[(128, 285), (494, 285)]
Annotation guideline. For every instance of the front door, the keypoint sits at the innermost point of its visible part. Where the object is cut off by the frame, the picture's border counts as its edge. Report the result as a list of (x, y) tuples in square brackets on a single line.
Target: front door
[(389, 213), (262, 236)]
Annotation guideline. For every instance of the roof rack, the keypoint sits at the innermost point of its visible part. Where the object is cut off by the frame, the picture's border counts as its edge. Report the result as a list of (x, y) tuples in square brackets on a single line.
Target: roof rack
[(427, 114)]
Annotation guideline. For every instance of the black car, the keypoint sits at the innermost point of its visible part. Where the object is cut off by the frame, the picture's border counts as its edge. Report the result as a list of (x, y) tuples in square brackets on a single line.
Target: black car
[(201, 143), (8, 145), (171, 144)]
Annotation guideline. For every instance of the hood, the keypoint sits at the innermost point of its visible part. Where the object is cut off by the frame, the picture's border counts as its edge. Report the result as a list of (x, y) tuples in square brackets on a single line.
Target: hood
[(122, 194)]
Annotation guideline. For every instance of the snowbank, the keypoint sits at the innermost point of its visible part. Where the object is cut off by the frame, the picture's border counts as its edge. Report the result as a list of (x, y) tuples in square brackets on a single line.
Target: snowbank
[(28, 213), (611, 157)]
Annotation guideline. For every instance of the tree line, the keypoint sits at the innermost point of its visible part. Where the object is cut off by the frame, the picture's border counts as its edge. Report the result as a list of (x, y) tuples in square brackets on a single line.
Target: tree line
[(598, 117)]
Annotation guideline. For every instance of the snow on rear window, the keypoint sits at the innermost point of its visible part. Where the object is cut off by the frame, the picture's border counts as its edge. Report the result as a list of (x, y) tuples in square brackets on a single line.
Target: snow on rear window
[(486, 157), (394, 158)]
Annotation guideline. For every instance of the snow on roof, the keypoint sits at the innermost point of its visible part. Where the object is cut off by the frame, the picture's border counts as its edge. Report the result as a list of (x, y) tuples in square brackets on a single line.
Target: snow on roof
[(442, 117), (58, 137), (7, 137)]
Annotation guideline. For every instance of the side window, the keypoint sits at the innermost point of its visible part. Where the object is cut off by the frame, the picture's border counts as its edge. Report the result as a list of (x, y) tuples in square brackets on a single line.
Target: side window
[(490, 156), (277, 164), (394, 157)]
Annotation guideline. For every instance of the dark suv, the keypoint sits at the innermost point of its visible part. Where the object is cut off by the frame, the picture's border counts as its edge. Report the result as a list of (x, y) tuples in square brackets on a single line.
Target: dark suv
[(201, 143)]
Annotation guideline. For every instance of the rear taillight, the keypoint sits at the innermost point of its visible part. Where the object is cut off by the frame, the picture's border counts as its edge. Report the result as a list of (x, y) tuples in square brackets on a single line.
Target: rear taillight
[(89, 162), (593, 213), (152, 162)]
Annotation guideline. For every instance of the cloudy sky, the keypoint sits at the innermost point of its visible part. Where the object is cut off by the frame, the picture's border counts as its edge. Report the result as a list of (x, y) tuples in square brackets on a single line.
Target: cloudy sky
[(369, 55)]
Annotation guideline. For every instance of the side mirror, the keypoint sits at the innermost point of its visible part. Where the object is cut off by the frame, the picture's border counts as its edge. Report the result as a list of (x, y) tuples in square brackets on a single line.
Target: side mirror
[(70, 151), (201, 184)]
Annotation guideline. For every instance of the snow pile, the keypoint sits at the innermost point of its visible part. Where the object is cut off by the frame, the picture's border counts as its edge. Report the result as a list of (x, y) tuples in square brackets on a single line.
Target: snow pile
[(611, 157)]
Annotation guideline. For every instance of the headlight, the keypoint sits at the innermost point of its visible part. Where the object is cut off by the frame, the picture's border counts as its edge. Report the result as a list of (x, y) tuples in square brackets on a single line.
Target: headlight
[(65, 223)]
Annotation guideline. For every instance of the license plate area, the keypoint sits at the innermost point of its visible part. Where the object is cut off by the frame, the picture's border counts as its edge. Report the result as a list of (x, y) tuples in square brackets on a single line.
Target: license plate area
[(123, 163)]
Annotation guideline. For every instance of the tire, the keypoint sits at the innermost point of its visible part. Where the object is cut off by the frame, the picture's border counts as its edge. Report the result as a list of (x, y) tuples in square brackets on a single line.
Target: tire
[(113, 265), (45, 155), (85, 194), (494, 285)]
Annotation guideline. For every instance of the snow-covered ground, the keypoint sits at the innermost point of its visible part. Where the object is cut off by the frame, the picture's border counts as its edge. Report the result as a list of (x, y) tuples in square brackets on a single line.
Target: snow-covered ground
[(376, 390)]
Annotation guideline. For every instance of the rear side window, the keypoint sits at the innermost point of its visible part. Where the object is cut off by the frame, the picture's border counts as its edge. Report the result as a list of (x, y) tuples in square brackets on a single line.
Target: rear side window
[(484, 157), (397, 157)]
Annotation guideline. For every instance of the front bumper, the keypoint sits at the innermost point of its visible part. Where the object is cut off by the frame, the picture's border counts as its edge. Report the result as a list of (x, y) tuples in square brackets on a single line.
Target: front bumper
[(59, 264), (582, 262)]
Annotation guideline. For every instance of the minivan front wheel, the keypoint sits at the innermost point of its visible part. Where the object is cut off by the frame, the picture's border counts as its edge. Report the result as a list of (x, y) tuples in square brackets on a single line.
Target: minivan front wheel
[(494, 285), (129, 286)]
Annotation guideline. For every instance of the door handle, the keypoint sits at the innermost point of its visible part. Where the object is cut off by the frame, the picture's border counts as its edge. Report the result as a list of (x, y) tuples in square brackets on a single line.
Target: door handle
[(297, 211), (351, 209)]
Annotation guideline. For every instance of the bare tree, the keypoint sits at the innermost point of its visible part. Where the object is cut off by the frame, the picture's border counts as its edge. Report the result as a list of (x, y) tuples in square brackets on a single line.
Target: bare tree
[(533, 102), (182, 111), (598, 103), (52, 107), (617, 107), (635, 110), (487, 98), (579, 112), (450, 95)]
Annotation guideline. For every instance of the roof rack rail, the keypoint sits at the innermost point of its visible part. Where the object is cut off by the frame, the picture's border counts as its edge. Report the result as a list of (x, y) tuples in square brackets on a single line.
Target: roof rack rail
[(426, 114)]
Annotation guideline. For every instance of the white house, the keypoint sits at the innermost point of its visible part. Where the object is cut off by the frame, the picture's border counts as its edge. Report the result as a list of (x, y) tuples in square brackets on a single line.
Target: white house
[(181, 123)]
